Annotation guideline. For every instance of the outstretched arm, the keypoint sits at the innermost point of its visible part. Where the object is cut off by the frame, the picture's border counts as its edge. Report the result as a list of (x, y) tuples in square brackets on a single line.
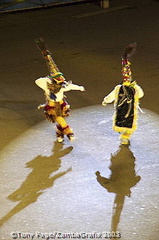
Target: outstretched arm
[(71, 86), (110, 97)]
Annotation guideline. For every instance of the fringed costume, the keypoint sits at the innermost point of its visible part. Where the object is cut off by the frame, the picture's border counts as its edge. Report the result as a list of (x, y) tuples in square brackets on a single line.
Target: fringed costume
[(126, 99), (54, 86)]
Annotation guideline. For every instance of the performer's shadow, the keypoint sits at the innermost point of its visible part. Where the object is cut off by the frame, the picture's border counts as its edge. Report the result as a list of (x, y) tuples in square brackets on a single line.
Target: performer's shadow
[(123, 177), (38, 180)]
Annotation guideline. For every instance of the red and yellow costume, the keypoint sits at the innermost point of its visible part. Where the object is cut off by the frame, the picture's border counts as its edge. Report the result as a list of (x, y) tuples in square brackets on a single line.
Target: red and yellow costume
[(54, 86)]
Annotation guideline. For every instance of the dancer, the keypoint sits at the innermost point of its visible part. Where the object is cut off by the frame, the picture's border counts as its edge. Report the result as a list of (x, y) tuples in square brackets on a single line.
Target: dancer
[(54, 86), (126, 99)]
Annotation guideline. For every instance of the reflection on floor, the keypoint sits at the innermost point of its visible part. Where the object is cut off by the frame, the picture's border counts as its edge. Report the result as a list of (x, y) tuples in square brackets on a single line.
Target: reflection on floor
[(123, 178), (38, 180)]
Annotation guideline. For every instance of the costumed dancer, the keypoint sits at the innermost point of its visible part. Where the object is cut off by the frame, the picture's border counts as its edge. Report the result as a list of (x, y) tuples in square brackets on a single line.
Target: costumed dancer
[(126, 99), (54, 86)]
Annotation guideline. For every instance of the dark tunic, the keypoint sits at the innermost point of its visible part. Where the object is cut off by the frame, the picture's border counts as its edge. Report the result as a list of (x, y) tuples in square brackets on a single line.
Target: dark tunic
[(125, 107)]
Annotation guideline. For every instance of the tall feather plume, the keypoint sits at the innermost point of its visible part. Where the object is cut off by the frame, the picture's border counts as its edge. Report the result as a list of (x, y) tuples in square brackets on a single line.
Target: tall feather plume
[(129, 51), (126, 64)]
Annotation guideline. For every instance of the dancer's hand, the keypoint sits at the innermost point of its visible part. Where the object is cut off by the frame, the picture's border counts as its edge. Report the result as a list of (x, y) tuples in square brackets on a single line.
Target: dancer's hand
[(82, 89), (104, 103)]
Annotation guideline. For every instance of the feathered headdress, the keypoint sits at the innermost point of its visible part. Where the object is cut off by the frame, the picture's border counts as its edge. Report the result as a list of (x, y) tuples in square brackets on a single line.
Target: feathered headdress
[(52, 67), (126, 69)]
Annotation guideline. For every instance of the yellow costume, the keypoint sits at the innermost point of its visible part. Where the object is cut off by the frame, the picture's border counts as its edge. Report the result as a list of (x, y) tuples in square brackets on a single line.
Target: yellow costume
[(54, 86), (56, 108), (126, 100)]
